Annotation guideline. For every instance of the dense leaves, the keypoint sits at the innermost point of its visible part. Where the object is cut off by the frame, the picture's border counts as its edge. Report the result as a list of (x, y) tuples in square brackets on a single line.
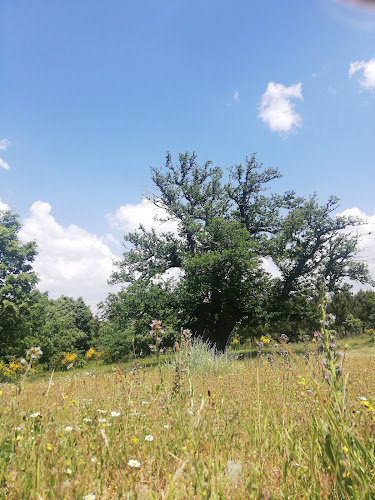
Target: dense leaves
[(224, 232), (17, 281)]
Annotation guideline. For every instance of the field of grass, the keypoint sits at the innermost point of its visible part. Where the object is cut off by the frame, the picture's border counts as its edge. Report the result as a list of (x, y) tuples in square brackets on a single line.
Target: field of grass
[(214, 428)]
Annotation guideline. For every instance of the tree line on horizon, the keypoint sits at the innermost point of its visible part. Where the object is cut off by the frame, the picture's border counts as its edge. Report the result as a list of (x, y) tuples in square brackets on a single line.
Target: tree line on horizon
[(226, 228)]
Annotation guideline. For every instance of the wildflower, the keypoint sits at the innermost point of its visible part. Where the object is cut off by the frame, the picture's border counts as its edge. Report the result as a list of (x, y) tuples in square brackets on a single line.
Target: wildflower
[(89, 497), (115, 413), (145, 402), (35, 415), (265, 340), (102, 411), (362, 398), (301, 381), (94, 460), (332, 316), (345, 449), (49, 446), (367, 405), (68, 428), (149, 437), (87, 419), (134, 440), (134, 463), (18, 438), (102, 420), (166, 426), (316, 334), (68, 471)]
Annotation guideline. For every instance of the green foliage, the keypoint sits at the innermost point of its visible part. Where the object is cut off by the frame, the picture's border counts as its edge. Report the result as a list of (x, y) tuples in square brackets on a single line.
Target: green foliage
[(223, 231), (17, 282), (223, 283), (60, 325), (126, 318), (311, 242)]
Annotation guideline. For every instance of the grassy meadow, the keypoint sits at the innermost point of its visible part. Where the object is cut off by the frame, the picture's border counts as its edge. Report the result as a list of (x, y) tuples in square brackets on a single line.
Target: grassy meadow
[(200, 426)]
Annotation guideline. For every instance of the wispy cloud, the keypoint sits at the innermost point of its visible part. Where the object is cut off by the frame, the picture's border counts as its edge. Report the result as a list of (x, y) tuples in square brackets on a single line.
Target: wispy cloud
[(4, 164), (276, 108), (368, 68), (4, 143), (236, 96)]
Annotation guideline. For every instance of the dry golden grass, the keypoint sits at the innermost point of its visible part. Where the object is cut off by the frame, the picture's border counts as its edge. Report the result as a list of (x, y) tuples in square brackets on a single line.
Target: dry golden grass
[(253, 430)]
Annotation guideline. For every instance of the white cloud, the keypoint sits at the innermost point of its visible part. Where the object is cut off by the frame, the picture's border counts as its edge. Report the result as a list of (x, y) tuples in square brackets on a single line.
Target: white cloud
[(3, 206), (367, 241), (4, 143), (4, 164), (129, 217), (236, 96), (270, 267), (70, 260), (368, 68), (276, 108)]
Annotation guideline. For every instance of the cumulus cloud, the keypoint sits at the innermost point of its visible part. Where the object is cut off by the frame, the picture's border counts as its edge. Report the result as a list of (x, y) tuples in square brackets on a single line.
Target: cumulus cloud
[(367, 241), (368, 68), (270, 267), (129, 217), (70, 260), (276, 108)]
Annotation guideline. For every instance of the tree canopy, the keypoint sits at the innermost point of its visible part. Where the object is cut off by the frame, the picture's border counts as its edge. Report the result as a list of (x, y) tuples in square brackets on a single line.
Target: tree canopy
[(17, 282), (225, 231)]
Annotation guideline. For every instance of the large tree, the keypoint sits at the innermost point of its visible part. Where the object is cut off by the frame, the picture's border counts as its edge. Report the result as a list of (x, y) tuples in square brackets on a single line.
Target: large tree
[(224, 229), (17, 282)]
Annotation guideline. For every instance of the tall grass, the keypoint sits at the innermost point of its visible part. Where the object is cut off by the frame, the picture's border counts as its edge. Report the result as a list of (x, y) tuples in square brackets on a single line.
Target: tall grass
[(242, 429)]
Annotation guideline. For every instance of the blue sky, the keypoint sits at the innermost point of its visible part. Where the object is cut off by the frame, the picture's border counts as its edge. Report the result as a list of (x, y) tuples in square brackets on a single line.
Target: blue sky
[(92, 93)]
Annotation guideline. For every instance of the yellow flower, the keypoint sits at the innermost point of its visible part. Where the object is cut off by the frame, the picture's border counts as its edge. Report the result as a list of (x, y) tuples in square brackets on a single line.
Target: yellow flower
[(49, 446)]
